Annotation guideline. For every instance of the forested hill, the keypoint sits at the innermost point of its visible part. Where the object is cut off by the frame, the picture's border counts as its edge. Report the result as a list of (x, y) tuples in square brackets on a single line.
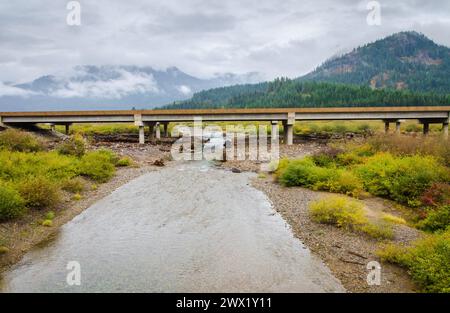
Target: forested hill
[(404, 69), (293, 93), (406, 60)]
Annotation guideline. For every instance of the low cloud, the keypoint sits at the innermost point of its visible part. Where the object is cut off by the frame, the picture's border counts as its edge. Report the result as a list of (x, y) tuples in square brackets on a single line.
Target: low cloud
[(11, 91), (125, 84)]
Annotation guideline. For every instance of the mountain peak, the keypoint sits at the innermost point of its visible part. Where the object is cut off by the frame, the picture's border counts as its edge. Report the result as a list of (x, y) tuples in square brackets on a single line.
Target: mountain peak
[(405, 60)]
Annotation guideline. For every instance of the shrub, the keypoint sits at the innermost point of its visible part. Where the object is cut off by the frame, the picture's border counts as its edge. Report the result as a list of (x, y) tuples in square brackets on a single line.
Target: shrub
[(389, 218), (427, 260), (73, 185), (437, 219), (378, 230), (16, 140), (306, 173), (77, 197), (12, 204), (97, 165), (50, 215), (123, 162), (39, 192), (338, 211), (438, 194), (73, 146), (47, 223), (346, 183), (326, 158), (348, 214), (18, 166), (403, 179)]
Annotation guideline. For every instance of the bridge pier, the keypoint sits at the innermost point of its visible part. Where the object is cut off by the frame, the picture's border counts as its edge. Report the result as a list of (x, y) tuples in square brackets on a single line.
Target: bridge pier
[(141, 135), (289, 129), (445, 130), (67, 128), (151, 129), (273, 131), (166, 130), (158, 131), (426, 128), (397, 127), (386, 127)]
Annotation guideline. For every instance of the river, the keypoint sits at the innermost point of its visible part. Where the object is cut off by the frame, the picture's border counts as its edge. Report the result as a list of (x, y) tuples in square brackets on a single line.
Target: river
[(188, 227)]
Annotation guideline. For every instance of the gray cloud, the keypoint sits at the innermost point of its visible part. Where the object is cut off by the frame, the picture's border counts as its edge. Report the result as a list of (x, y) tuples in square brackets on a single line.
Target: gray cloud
[(202, 37)]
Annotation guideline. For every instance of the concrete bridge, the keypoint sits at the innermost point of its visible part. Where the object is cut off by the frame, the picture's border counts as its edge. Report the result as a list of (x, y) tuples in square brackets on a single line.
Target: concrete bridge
[(287, 116)]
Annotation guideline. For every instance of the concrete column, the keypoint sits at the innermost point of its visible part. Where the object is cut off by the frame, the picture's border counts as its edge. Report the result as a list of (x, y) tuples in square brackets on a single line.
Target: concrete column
[(397, 127), (273, 131), (386, 127), (141, 135), (67, 128), (158, 131), (151, 129), (53, 127), (426, 128), (289, 131), (290, 135), (166, 130), (445, 130)]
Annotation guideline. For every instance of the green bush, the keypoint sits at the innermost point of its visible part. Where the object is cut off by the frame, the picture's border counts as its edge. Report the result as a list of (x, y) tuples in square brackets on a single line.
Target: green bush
[(39, 192), (427, 260), (338, 211), (348, 214), (98, 165), (380, 230), (73, 146), (123, 162), (12, 204), (73, 185), (403, 179), (17, 166), (306, 173), (437, 219), (15, 140)]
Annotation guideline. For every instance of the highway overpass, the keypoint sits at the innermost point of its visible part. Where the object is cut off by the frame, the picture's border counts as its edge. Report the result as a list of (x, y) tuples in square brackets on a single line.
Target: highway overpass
[(287, 116)]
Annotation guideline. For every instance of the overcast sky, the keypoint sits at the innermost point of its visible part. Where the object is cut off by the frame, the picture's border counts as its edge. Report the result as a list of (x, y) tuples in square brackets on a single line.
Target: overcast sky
[(201, 37)]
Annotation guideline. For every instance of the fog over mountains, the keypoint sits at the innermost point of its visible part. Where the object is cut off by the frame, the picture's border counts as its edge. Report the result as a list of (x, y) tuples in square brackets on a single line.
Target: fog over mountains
[(111, 87)]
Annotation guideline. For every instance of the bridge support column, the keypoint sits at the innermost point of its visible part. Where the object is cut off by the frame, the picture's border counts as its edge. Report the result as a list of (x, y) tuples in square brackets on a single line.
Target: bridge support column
[(386, 127), (53, 127), (138, 122), (273, 130), (426, 128), (445, 130), (397, 127), (141, 135), (151, 129), (289, 129), (67, 128), (158, 131), (166, 130)]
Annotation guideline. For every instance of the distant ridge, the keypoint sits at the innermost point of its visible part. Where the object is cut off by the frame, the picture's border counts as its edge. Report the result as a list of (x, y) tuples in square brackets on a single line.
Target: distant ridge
[(404, 69)]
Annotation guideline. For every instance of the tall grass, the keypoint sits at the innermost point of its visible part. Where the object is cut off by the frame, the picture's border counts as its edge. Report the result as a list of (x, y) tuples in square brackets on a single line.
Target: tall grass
[(33, 178)]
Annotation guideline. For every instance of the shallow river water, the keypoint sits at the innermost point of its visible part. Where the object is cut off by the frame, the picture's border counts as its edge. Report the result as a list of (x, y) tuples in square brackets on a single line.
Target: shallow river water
[(186, 228)]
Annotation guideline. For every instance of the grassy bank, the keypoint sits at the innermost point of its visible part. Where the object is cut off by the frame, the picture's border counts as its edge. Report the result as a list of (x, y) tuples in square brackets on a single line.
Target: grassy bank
[(33, 178), (414, 172)]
